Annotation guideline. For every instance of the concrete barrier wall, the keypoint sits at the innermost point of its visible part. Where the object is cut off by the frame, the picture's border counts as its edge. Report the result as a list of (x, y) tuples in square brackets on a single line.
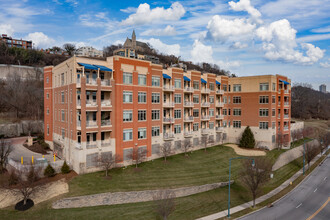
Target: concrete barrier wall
[(18, 129)]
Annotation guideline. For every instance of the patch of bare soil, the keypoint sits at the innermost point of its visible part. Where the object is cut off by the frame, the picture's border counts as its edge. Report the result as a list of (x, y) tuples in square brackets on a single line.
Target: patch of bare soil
[(246, 152), (37, 148)]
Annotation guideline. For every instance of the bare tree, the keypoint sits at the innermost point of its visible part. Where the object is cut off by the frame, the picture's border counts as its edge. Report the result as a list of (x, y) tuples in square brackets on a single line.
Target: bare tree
[(306, 132), (204, 141), (164, 203), (311, 151), (5, 149), (108, 161), (165, 150), (70, 48), (186, 146), (138, 155), (256, 176), (280, 140)]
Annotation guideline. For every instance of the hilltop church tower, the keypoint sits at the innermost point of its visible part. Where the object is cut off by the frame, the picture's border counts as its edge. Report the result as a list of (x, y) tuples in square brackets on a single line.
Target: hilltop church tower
[(133, 40)]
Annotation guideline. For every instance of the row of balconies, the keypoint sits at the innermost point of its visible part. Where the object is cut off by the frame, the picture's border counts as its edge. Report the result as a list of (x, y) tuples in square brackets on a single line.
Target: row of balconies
[(93, 103), (94, 144), (92, 123), (169, 135), (104, 82), (285, 103), (188, 89)]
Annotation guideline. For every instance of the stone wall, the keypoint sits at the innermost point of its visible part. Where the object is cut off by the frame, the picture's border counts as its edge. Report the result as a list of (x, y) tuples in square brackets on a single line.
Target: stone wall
[(22, 128)]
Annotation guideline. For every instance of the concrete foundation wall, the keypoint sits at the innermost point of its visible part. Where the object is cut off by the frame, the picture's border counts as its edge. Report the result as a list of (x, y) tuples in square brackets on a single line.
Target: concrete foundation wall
[(22, 128)]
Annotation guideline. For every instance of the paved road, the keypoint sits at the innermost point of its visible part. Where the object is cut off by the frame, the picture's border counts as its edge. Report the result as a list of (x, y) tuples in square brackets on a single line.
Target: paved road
[(304, 201)]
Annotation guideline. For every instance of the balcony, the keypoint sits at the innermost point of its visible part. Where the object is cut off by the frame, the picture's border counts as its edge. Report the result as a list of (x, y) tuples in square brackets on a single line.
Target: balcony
[(106, 103), (205, 117), (188, 104), (168, 120), (286, 128), (106, 82), (188, 119), (188, 90), (286, 91), (286, 103), (79, 102), (219, 129), (205, 131), (286, 116), (78, 146), (106, 122), (205, 91), (91, 81), (91, 103), (78, 123), (188, 133), (168, 104), (92, 144), (219, 117), (91, 123), (105, 143), (219, 104), (220, 92), (168, 136), (168, 88), (78, 84), (205, 104)]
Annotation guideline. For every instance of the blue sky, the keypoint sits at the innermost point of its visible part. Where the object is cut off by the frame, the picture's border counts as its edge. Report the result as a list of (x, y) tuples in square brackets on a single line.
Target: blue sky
[(247, 37)]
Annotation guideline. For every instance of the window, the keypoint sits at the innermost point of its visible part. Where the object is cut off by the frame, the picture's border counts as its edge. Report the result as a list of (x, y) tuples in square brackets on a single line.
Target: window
[(127, 97), (177, 129), (142, 97), (62, 79), (142, 79), (177, 98), (224, 124), (177, 113), (237, 100), (177, 83), (264, 86), (195, 127), (155, 131), (211, 125), (127, 78), (47, 129), (62, 97), (273, 99), (196, 113), (274, 86), (211, 99), (155, 81), (127, 115), (237, 87), (273, 125), (155, 114), (228, 91), (273, 112), (224, 88), (211, 86), (63, 133), (263, 100), (63, 115), (228, 99), (155, 98), (211, 112), (229, 111), (224, 111), (142, 115), (263, 112), (127, 134), (237, 112), (196, 85), (237, 124), (225, 99), (196, 99), (47, 79), (142, 133), (47, 111), (263, 125)]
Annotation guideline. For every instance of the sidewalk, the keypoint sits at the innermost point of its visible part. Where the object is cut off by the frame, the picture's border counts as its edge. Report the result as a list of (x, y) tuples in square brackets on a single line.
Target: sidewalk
[(260, 199)]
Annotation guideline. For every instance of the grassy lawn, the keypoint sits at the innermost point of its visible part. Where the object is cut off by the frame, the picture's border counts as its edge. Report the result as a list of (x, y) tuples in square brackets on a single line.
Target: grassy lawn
[(189, 207), (300, 142)]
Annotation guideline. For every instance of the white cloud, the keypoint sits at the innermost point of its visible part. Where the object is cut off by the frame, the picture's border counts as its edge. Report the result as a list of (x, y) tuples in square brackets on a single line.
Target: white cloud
[(315, 37), (170, 49), (168, 31), (201, 53), (221, 29), (245, 5), (6, 29), (279, 43), (228, 64), (145, 15), (238, 45), (128, 10), (326, 64), (40, 40), (321, 30)]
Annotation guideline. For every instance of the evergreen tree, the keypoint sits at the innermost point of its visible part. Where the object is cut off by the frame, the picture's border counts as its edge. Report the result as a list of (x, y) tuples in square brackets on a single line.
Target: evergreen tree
[(247, 140)]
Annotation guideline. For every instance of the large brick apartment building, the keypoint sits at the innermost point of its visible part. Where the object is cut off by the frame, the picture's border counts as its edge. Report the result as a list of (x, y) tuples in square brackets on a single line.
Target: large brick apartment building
[(95, 107), (10, 42)]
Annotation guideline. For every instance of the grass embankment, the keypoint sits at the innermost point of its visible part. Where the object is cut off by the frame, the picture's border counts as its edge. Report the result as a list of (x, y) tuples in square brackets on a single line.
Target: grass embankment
[(200, 168)]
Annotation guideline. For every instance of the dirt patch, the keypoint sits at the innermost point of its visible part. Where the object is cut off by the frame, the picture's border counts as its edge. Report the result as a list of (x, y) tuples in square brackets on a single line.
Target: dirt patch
[(37, 148), (246, 152)]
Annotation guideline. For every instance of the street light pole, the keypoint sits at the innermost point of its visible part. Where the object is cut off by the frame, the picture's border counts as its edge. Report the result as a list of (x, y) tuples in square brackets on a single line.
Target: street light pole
[(234, 158)]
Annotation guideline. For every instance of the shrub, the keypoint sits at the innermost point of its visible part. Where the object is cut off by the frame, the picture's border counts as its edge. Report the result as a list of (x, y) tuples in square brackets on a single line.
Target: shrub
[(13, 178), (65, 168), (247, 139), (44, 145), (49, 171)]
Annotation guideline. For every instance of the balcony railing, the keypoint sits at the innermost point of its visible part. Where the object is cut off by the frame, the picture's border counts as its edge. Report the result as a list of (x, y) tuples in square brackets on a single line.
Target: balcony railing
[(205, 117), (286, 103), (78, 102), (168, 88), (105, 103), (91, 81), (78, 81), (168, 120), (106, 122), (188, 104), (78, 123), (189, 118), (105, 143), (205, 104), (205, 131), (189, 89), (91, 103), (220, 91), (286, 128), (219, 129), (286, 116), (188, 133), (106, 82), (168, 104), (286, 91), (219, 104), (205, 90), (219, 117), (91, 123), (168, 135), (91, 144)]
